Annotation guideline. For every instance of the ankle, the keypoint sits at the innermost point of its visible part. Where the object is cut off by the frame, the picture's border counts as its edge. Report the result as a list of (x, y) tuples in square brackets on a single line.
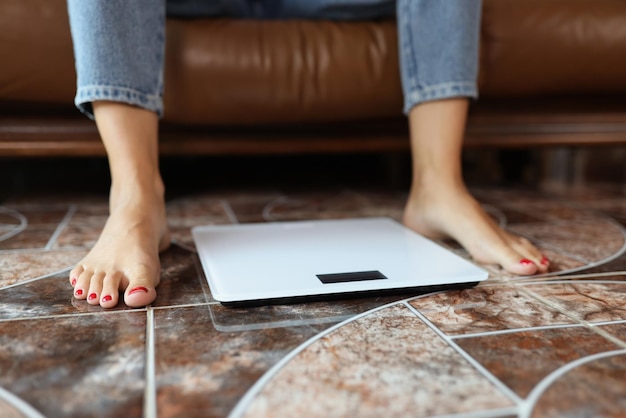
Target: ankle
[(133, 191), (431, 186)]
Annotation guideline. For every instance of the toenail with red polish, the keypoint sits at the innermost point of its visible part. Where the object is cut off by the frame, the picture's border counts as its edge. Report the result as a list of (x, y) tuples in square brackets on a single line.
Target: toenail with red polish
[(138, 289), (107, 298), (79, 292), (92, 296), (544, 261), (74, 282), (525, 261)]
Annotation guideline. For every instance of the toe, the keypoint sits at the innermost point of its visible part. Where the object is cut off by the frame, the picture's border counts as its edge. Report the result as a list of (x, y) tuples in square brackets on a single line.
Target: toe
[(95, 289), (75, 273), (82, 284), (139, 293), (529, 252), (522, 266), (109, 295), (504, 252)]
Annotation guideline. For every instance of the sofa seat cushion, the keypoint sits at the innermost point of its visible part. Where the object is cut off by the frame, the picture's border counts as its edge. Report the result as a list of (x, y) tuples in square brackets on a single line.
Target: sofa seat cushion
[(225, 72)]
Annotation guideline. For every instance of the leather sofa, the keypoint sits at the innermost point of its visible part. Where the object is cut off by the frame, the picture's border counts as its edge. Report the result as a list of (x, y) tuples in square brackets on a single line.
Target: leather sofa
[(552, 72)]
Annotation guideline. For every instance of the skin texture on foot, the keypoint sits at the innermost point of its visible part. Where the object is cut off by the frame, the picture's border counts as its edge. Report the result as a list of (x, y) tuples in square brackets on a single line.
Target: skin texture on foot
[(440, 205), (457, 215), (125, 258), (126, 255)]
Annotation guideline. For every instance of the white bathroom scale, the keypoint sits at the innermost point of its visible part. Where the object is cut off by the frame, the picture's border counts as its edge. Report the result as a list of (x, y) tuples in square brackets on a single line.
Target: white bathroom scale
[(286, 262)]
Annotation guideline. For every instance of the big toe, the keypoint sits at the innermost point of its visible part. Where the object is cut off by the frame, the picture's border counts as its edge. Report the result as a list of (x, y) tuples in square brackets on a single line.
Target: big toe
[(139, 294), (519, 265), (511, 260)]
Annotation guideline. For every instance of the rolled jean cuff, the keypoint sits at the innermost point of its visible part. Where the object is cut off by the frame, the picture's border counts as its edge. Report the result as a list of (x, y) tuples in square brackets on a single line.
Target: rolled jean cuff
[(86, 95), (438, 92)]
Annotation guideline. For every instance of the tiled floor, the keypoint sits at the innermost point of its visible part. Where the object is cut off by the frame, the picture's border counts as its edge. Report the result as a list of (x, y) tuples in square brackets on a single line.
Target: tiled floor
[(511, 347)]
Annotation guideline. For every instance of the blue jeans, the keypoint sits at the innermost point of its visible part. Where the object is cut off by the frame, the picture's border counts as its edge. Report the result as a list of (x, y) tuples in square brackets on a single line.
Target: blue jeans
[(119, 44)]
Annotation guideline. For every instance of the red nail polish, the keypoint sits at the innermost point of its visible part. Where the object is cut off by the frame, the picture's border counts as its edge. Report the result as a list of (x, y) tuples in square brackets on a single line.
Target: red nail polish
[(78, 292), (92, 296), (107, 298), (525, 261), (74, 281), (138, 289), (545, 261)]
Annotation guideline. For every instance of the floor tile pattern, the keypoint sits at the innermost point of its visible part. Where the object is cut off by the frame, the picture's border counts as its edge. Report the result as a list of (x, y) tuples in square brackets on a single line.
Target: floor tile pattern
[(551, 345)]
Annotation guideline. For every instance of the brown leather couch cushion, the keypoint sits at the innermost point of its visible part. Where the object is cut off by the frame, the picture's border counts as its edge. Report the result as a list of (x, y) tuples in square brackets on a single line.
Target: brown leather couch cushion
[(234, 72), (250, 71), (36, 57), (553, 47)]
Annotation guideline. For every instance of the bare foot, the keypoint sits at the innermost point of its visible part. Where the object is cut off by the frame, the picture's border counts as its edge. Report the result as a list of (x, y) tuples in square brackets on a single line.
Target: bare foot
[(455, 214), (126, 255)]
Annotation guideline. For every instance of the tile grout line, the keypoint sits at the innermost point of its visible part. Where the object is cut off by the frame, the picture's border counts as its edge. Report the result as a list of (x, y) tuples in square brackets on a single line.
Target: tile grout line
[(69, 315), (59, 229), (579, 278), (18, 403), (541, 387), (246, 400), (487, 413), (21, 227), (586, 324), (122, 311), (509, 393), (230, 213), (514, 330), (149, 399), (34, 279)]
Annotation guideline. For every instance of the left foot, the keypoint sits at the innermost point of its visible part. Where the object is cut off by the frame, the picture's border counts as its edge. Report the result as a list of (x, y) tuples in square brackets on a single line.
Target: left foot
[(438, 213)]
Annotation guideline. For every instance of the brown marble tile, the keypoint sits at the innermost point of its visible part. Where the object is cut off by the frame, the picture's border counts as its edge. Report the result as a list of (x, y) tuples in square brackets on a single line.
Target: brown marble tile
[(182, 279), (53, 200), (345, 204), (593, 389), (250, 207), (86, 365), (614, 207), (9, 218), (486, 308), (33, 237), (36, 215), (522, 359), (618, 330), (84, 228), (202, 372), (18, 266), (29, 227), (388, 363), (196, 210), (618, 264), (588, 301), (532, 203), (513, 216), (593, 240)]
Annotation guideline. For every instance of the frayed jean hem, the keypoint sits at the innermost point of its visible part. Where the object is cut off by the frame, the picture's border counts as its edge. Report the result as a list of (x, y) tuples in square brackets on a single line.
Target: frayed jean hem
[(441, 91), (86, 95)]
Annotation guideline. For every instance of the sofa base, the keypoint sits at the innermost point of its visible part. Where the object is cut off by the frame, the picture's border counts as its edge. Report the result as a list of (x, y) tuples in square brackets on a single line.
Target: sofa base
[(501, 124)]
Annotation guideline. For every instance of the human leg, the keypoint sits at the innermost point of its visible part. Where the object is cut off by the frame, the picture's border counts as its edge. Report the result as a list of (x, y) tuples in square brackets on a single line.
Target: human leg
[(439, 203), (126, 255), (118, 48), (439, 51)]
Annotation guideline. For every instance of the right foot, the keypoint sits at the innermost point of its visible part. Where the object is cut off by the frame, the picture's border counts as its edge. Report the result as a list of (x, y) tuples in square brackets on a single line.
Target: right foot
[(126, 255)]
